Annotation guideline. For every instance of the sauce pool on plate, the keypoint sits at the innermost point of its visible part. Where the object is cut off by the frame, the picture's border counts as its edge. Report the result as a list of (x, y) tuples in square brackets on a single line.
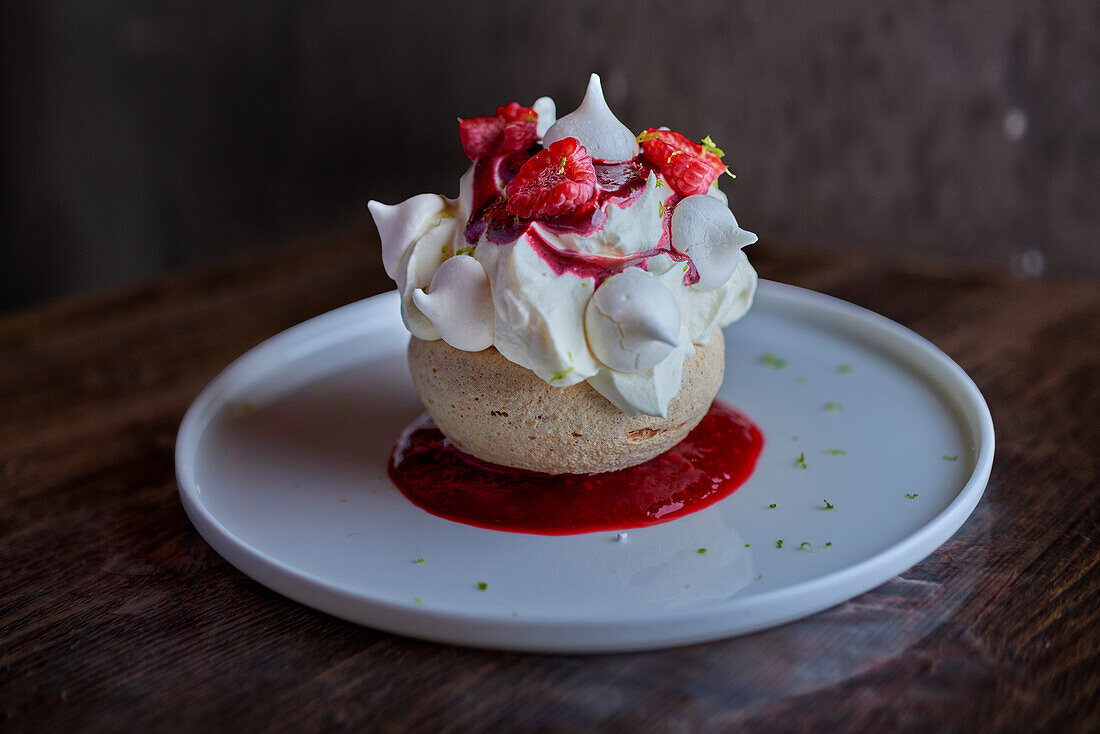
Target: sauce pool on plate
[(716, 458)]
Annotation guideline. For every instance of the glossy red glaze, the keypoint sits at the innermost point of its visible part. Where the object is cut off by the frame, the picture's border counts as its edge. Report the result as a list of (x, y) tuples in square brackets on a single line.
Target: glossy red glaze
[(714, 460)]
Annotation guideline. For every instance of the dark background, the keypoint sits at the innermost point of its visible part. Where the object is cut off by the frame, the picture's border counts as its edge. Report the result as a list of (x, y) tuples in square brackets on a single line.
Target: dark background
[(140, 136)]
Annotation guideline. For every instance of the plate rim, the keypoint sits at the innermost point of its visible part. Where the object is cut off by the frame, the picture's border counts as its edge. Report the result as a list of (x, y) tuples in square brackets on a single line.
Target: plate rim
[(645, 629)]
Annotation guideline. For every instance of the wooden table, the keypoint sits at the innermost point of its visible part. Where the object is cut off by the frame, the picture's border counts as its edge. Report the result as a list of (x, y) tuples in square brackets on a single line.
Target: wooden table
[(116, 615)]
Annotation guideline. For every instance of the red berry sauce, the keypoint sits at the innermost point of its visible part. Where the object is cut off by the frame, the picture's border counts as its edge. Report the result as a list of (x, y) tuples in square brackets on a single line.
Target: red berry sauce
[(715, 459)]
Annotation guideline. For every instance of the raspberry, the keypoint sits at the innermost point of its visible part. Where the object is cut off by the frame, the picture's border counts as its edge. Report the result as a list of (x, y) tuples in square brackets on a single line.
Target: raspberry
[(556, 180), (510, 130), (690, 168)]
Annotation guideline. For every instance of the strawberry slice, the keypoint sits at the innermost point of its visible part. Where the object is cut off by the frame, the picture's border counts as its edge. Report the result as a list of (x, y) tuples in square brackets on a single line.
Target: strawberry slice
[(510, 130), (554, 181), (690, 168)]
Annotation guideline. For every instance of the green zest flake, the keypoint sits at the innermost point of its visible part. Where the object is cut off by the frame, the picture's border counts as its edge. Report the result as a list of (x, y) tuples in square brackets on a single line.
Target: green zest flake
[(584, 284), (779, 543), (661, 209), (465, 251), (686, 267), (710, 147), (660, 183), (800, 462), (482, 586), (835, 452), (446, 215), (418, 601), (746, 545), (771, 506), (829, 505), (833, 405), (772, 361), (912, 495), (561, 375), (701, 551), (950, 458), (828, 544), (642, 137), (806, 545), (844, 369), (419, 560)]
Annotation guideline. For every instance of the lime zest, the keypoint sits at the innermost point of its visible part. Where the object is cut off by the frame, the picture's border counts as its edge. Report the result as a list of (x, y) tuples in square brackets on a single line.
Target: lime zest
[(561, 375), (710, 147), (769, 359)]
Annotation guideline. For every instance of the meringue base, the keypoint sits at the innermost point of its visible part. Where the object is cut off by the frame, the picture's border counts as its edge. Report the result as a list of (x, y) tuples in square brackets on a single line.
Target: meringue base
[(502, 413)]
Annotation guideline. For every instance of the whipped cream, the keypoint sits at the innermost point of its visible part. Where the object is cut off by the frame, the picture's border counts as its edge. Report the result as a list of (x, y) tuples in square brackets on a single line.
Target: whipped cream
[(618, 300)]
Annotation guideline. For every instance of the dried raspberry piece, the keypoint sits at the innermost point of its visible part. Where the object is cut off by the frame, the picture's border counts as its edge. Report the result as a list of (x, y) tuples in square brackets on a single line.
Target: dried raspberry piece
[(510, 130), (556, 180), (690, 168)]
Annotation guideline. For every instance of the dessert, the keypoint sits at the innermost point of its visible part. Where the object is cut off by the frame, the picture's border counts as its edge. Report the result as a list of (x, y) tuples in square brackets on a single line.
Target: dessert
[(566, 307)]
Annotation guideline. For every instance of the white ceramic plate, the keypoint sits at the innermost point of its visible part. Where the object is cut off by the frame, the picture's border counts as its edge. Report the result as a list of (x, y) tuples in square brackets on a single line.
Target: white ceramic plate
[(281, 463)]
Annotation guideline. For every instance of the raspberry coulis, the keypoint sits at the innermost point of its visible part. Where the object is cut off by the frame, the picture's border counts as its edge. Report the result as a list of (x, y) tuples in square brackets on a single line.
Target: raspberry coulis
[(716, 458)]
